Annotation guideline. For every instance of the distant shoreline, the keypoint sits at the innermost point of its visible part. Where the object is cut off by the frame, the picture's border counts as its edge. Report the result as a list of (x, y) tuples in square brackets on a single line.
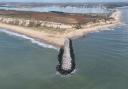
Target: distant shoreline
[(57, 39)]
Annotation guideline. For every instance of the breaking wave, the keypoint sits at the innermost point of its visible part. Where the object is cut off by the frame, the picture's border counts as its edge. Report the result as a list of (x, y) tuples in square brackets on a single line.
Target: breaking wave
[(29, 38)]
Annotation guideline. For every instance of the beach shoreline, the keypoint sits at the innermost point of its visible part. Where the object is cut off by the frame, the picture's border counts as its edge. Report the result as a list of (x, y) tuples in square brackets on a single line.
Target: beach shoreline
[(57, 39)]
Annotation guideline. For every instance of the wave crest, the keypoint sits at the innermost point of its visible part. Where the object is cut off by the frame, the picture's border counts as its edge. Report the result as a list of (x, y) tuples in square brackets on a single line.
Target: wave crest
[(29, 38)]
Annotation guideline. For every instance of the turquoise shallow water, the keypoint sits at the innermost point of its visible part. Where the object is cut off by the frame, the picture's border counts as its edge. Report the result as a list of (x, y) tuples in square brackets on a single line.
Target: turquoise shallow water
[(101, 57)]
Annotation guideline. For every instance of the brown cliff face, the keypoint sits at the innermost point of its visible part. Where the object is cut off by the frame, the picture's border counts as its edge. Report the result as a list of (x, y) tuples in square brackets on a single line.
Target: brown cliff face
[(33, 23), (47, 19), (64, 18)]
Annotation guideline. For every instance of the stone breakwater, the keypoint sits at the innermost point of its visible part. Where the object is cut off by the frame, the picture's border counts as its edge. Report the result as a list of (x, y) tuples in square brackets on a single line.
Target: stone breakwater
[(66, 58)]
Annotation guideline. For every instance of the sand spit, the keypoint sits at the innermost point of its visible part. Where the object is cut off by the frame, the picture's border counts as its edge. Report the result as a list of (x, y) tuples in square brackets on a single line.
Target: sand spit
[(57, 39)]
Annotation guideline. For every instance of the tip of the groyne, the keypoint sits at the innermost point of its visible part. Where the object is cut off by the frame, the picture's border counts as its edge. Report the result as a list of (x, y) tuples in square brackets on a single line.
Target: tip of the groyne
[(66, 58)]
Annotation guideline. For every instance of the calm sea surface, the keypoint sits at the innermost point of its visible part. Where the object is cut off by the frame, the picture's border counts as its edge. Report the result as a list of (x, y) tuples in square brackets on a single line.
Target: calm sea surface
[(101, 57)]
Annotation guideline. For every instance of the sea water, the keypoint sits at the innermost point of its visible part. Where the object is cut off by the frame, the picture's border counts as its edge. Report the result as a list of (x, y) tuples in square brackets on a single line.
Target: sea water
[(67, 9), (101, 61)]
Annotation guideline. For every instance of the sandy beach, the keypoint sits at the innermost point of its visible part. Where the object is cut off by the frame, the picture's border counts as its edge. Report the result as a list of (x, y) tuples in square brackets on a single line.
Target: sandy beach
[(57, 39)]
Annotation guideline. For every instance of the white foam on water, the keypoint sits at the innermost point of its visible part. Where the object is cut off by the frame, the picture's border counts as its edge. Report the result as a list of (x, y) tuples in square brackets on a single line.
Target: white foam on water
[(41, 44), (103, 29), (123, 24), (68, 75)]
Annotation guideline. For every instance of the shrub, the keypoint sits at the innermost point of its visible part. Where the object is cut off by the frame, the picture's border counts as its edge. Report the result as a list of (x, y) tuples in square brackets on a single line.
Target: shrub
[(78, 26)]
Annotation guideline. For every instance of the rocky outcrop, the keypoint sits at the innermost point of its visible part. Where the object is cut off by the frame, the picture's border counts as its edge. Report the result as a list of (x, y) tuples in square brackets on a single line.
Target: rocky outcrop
[(66, 58)]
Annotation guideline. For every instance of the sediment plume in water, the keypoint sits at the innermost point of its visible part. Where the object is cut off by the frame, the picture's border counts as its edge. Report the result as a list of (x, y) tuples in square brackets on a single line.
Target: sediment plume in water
[(66, 58)]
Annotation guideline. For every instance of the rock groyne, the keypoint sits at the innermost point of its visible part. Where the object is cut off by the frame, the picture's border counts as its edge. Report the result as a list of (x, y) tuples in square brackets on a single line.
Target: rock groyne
[(66, 58)]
